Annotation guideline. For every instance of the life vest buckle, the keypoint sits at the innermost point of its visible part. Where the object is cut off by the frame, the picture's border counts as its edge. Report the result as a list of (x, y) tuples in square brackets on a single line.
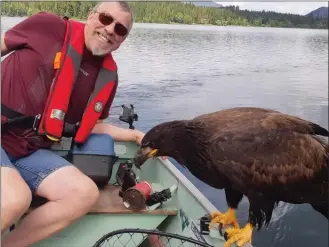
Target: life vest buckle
[(36, 122)]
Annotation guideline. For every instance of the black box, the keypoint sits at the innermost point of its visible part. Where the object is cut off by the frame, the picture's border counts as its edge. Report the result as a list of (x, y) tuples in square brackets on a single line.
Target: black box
[(95, 158)]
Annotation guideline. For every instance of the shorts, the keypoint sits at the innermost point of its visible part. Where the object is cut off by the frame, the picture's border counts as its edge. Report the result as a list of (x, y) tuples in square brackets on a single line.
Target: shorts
[(35, 167)]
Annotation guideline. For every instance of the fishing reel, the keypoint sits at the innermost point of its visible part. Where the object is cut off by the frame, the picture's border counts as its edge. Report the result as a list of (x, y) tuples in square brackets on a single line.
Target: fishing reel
[(126, 177), (128, 115)]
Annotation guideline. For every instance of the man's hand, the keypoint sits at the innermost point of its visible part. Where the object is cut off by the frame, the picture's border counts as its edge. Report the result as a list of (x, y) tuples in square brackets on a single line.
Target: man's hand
[(139, 137)]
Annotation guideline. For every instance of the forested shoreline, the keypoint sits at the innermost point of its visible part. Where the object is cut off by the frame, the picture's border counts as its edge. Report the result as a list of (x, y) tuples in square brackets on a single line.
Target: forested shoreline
[(172, 12)]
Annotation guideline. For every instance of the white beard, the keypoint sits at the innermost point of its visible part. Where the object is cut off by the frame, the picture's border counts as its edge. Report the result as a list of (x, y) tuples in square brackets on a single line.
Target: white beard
[(100, 52)]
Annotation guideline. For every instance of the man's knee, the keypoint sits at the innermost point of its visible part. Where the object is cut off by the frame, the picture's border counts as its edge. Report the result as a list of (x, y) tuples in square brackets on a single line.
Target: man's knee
[(16, 196), (20, 198), (85, 192), (17, 203), (72, 187), (81, 196), (15, 193)]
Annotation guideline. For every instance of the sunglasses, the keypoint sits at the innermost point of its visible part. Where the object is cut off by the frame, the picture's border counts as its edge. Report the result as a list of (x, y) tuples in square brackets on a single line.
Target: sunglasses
[(107, 19)]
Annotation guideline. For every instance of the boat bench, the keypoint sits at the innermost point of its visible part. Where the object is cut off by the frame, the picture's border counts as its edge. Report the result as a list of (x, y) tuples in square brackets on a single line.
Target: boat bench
[(109, 202)]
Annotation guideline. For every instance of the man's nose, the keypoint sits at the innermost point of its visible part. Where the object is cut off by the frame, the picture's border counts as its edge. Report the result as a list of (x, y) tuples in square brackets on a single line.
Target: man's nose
[(110, 28)]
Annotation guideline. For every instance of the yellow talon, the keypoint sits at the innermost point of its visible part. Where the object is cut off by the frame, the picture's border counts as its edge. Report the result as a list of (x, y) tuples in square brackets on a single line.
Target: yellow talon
[(240, 236), (228, 218)]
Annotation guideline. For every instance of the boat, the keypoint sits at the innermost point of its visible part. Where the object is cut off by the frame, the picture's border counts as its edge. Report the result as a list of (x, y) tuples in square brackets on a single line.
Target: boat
[(180, 219)]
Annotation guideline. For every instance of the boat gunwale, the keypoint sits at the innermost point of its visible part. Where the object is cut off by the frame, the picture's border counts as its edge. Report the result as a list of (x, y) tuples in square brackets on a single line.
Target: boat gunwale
[(204, 201), (192, 189)]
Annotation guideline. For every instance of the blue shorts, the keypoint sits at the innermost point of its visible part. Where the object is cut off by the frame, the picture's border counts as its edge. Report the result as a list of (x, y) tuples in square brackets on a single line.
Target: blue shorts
[(35, 167)]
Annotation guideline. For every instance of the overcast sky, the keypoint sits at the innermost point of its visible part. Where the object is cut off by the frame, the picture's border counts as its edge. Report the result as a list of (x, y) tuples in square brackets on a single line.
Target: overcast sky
[(301, 8)]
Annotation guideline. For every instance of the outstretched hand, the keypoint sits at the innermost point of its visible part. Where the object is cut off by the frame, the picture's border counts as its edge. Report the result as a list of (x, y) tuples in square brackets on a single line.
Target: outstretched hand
[(139, 137), (119, 134)]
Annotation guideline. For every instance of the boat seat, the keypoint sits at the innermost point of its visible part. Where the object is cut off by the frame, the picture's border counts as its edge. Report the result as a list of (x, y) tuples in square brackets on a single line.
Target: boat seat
[(109, 202)]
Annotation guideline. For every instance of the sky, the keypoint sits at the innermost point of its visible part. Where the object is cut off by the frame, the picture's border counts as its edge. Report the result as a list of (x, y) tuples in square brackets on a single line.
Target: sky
[(301, 8)]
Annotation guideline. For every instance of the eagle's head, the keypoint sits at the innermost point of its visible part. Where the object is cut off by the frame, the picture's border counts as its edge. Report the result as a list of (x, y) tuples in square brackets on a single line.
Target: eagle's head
[(175, 139), (161, 140)]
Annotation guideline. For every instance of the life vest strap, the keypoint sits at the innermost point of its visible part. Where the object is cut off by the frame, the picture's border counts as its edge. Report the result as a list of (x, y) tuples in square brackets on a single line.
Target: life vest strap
[(17, 119), (9, 113)]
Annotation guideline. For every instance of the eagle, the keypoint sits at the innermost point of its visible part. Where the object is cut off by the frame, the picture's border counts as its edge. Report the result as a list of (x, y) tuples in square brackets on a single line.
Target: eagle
[(262, 154)]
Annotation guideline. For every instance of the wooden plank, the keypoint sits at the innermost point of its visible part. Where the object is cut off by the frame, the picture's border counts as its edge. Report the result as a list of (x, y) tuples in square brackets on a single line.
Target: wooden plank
[(169, 212), (109, 202)]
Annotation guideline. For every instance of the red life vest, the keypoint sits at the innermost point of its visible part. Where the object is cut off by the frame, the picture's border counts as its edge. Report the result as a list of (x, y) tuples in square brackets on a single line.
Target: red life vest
[(52, 120)]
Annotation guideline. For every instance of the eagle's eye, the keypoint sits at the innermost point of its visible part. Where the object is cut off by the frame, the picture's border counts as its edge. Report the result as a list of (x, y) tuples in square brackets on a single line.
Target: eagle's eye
[(147, 144)]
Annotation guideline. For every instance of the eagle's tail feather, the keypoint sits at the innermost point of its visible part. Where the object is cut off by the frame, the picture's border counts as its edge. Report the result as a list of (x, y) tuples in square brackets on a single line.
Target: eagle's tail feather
[(261, 213), (318, 130), (322, 209)]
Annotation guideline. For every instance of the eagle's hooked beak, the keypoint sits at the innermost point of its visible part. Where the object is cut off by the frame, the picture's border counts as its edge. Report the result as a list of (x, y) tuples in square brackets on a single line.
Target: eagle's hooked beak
[(143, 154)]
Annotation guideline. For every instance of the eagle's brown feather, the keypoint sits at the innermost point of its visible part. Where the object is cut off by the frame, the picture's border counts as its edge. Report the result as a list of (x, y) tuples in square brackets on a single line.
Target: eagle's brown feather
[(255, 148), (263, 154)]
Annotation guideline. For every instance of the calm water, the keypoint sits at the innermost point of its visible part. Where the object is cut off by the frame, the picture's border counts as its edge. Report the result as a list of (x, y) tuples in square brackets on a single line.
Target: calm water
[(175, 72)]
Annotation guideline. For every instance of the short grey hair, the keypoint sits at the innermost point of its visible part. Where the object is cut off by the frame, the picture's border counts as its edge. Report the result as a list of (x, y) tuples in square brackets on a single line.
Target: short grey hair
[(124, 6)]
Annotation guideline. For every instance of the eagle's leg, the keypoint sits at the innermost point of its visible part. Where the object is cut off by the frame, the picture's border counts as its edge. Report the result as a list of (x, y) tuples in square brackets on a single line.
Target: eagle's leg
[(260, 211), (229, 218), (243, 235), (238, 236)]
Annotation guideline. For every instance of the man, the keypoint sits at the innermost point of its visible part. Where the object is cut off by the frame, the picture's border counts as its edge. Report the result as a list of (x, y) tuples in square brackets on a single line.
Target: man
[(28, 167)]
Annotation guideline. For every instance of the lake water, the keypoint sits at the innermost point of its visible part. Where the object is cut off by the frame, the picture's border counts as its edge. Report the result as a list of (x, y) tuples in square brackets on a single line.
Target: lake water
[(175, 72)]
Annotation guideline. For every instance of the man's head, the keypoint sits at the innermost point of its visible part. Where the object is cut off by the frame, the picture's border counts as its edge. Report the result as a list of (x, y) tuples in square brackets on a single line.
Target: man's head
[(107, 26)]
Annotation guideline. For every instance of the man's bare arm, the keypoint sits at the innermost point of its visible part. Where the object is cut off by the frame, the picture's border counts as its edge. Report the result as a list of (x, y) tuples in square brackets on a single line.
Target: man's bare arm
[(119, 134)]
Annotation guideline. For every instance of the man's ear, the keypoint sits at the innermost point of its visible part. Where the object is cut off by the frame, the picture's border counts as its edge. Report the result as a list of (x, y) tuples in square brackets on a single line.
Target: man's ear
[(90, 15)]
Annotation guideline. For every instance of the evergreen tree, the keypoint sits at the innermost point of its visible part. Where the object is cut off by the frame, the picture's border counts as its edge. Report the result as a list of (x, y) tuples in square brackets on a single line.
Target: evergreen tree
[(172, 12)]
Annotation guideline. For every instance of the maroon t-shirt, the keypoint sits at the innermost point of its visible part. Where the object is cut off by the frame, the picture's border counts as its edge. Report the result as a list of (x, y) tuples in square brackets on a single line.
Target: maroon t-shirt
[(27, 74)]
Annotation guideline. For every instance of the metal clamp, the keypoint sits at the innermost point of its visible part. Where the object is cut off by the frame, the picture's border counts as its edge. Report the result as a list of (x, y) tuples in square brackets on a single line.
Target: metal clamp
[(204, 224), (36, 122)]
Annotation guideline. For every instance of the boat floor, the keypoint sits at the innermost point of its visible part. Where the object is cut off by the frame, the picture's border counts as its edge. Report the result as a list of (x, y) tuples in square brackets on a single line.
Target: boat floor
[(109, 202)]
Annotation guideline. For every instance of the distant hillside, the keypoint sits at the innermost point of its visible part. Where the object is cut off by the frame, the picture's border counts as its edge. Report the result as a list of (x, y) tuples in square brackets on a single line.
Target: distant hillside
[(172, 12), (210, 4), (319, 14)]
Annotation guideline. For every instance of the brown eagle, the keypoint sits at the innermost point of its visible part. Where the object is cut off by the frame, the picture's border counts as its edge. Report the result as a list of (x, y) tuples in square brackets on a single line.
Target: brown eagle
[(263, 154)]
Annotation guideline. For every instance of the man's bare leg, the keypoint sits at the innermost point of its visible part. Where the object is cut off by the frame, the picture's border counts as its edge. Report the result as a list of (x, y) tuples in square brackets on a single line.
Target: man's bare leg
[(15, 196), (70, 193)]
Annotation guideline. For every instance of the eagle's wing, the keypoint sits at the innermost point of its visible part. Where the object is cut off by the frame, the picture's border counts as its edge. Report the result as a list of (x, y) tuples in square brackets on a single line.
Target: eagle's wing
[(269, 150)]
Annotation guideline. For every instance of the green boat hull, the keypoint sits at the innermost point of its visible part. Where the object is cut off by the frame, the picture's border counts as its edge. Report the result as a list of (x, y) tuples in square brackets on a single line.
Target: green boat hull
[(180, 214)]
